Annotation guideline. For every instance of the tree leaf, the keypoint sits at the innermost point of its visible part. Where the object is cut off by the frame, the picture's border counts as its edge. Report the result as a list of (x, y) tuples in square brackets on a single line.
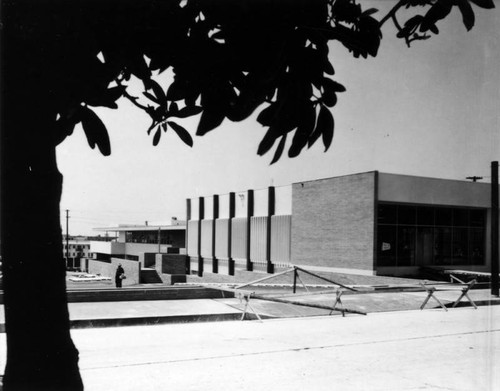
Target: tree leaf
[(151, 127), (156, 138), (164, 126), (188, 111), (177, 90), (438, 11), (173, 109), (279, 149), (266, 116), (306, 126), (96, 132), (328, 128), (488, 4), (209, 120), (107, 98), (158, 91), (267, 142), (467, 14), (151, 97), (324, 127), (332, 85), (182, 133)]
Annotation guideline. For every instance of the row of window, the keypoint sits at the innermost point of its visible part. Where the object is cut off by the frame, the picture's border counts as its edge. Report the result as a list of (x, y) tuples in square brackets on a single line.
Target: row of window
[(420, 246), (150, 237), (430, 216)]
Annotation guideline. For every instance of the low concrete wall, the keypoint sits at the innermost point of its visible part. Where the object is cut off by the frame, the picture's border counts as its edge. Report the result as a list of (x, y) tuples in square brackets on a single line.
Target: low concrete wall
[(101, 268), (132, 269)]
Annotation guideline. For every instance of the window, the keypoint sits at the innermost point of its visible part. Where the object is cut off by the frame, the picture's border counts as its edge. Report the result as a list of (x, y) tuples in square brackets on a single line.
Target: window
[(386, 246), (410, 235)]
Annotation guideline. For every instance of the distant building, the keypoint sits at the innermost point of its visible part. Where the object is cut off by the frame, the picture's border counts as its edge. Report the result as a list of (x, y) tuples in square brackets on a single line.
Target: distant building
[(74, 250), (368, 223), (134, 241)]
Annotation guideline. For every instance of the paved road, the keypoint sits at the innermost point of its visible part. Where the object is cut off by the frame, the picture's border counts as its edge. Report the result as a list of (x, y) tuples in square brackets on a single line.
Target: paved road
[(407, 350)]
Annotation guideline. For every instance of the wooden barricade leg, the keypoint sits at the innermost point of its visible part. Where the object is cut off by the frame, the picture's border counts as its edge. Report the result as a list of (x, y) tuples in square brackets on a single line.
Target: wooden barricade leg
[(430, 293), (338, 300), (465, 292), (246, 298)]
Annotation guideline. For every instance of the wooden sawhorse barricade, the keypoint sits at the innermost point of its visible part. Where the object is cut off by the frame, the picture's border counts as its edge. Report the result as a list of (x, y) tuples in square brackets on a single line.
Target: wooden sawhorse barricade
[(245, 295), (463, 287)]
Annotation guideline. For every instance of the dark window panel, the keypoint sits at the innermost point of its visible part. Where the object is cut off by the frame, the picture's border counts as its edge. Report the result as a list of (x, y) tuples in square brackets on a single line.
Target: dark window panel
[(460, 246), (387, 214), (425, 215), (444, 216), (407, 214), (425, 246), (442, 246), (406, 246), (460, 217), (386, 246), (477, 240), (477, 218)]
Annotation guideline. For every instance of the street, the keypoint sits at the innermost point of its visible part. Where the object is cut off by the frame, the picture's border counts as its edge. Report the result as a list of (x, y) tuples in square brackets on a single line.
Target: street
[(404, 350)]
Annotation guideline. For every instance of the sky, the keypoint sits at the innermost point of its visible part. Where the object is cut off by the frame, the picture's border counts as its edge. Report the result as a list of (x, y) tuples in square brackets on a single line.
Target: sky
[(430, 110)]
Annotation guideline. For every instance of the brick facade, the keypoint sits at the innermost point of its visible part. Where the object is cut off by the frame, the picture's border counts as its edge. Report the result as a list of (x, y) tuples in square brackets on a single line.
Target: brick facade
[(333, 223)]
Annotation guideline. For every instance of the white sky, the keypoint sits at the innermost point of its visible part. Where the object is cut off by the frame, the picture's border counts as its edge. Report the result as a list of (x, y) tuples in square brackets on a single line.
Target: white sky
[(430, 110)]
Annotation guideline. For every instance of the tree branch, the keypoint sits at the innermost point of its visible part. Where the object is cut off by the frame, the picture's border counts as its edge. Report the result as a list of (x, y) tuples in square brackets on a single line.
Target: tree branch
[(392, 12)]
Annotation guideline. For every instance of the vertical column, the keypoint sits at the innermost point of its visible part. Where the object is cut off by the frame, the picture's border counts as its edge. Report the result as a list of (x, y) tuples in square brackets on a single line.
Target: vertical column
[(250, 208), (230, 259), (215, 261), (271, 202), (494, 229), (188, 218), (201, 216)]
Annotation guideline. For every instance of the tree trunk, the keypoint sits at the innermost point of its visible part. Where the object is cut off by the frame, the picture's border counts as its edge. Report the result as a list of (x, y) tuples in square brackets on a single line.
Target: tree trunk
[(40, 352)]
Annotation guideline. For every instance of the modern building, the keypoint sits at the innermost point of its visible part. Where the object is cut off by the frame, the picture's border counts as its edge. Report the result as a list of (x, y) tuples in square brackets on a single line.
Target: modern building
[(368, 223), (74, 250), (137, 248)]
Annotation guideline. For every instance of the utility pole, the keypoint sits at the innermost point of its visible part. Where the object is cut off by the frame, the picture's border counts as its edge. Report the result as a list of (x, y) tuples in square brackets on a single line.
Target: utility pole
[(494, 229), (67, 237), (474, 178), (159, 240)]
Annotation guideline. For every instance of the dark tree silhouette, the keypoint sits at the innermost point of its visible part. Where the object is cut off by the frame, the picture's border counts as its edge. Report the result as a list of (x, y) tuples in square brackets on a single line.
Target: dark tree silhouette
[(229, 58)]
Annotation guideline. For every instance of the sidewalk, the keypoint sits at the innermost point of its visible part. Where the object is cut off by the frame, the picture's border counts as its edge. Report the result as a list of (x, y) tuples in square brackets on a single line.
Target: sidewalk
[(128, 313)]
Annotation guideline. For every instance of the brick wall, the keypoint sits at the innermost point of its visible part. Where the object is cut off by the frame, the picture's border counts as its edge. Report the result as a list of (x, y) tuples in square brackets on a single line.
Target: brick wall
[(333, 222), (170, 264)]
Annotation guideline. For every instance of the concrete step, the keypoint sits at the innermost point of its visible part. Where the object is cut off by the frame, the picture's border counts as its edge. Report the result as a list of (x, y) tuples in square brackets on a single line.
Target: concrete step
[(150, 276)]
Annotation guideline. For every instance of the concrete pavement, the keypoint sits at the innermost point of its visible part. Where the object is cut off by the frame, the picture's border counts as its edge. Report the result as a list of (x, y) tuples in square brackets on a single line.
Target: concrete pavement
[(404, 350)]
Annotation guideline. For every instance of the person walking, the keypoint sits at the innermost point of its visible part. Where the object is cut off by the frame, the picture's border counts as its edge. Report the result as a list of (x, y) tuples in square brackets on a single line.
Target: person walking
[(119, 275)]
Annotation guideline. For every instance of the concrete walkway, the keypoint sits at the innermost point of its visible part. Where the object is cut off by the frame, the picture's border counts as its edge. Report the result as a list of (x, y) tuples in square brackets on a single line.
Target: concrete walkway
[(456, 350), (147, 312)]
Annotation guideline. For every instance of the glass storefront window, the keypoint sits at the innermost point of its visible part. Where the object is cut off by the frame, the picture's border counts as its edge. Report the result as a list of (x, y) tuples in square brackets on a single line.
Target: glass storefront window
[(425, 235), (387, 214), (406, 246), (386, 246), (460, 217), (407, 215), (477, 218), (425, 215), (477, 246), (460, 246), (442, 246), (444, 216)]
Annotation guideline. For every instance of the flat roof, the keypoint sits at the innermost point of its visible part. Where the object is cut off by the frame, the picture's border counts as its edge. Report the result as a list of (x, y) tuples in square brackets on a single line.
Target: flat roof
[(142, 228)]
